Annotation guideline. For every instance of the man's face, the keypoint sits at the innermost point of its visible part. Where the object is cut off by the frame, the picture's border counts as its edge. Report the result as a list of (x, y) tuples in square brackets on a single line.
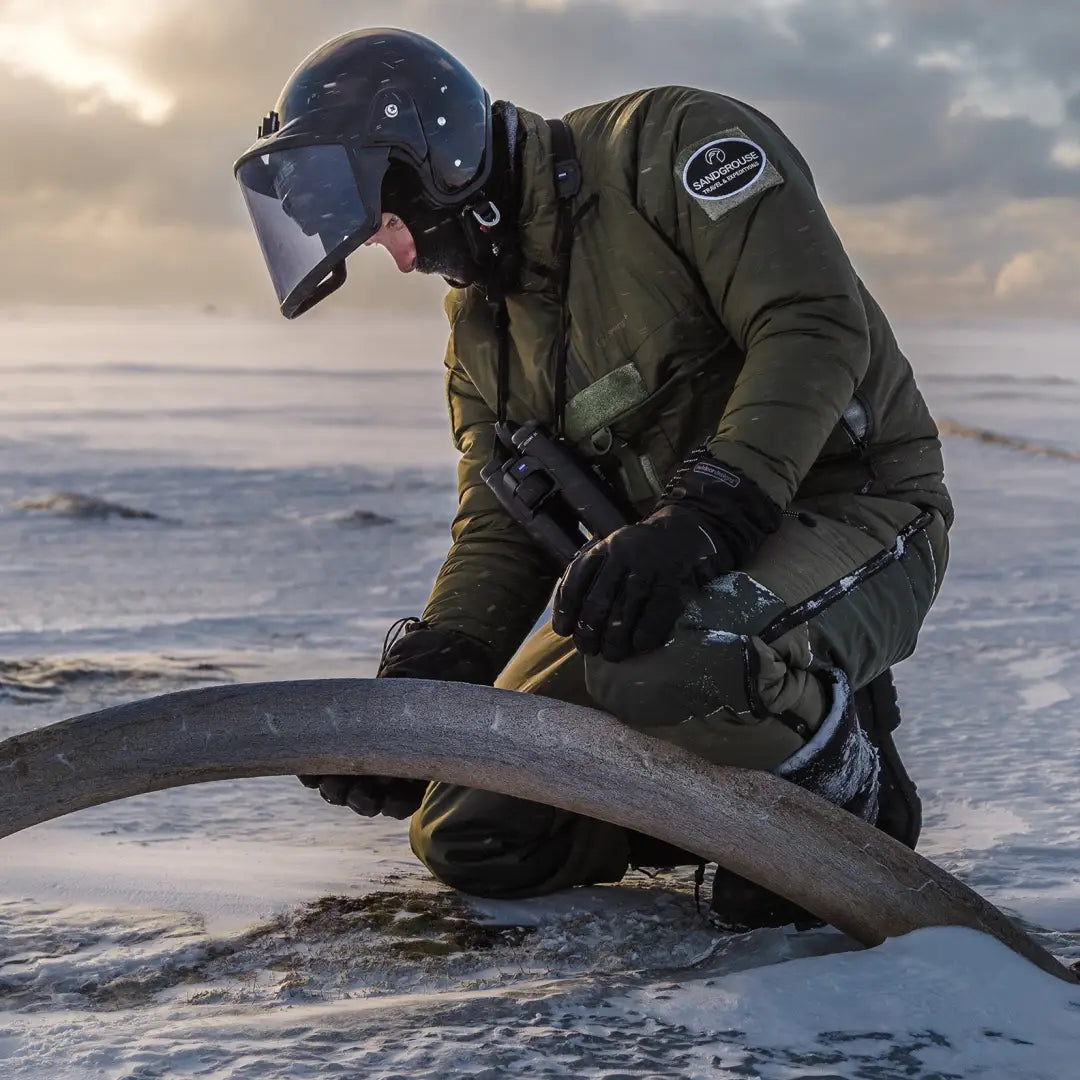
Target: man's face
[(438, 253), (394, 235)]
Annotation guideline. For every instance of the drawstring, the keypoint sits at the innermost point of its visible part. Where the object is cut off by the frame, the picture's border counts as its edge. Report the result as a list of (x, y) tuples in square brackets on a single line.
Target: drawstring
[(699, 453), (402, 626)]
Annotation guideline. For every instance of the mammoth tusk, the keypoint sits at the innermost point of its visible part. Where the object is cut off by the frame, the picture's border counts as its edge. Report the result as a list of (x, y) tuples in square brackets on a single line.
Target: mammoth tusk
[(844, 871)]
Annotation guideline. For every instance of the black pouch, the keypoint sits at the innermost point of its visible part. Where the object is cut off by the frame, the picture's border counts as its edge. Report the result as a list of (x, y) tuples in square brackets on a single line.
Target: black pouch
[(561, 502)]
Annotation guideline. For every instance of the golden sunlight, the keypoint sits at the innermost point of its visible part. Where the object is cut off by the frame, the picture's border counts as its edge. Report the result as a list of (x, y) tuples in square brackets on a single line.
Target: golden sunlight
[(87, 52)]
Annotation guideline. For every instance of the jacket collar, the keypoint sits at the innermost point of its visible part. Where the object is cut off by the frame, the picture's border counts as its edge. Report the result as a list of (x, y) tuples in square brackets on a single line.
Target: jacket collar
[(538, 219)]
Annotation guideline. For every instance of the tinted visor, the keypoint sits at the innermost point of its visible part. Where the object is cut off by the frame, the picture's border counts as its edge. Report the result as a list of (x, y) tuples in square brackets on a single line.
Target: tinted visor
[(311, 208)]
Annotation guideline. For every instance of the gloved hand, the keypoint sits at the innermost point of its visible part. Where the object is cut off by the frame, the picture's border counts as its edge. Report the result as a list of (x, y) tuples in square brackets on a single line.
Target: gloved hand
[(621, 595), (370, 796), (420, 652)]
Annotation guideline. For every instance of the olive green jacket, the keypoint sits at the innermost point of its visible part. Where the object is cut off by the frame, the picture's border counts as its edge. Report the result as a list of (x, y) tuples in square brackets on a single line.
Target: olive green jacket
[(709, 300)]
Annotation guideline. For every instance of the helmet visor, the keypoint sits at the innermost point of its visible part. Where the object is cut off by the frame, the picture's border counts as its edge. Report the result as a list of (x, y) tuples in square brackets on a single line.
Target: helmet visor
[(310, 208)]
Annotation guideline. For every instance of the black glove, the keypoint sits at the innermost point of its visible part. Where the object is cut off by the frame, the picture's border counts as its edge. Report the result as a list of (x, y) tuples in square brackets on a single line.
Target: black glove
[(413, 650), (621, 595), (370, 796), (423, 651)]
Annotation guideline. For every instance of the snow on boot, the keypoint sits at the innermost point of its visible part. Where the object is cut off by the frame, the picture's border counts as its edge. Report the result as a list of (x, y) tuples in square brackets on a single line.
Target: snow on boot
[(900, 808), (840, 764)]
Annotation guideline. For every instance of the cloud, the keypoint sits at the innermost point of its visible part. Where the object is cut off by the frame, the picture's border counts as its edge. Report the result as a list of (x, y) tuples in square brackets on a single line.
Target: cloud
[(1025, 273), (932, 130), (955, 257), (82, 49)]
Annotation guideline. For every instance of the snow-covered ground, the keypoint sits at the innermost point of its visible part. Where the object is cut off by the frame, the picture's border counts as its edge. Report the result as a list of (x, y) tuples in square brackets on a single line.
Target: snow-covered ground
[(303, 480)]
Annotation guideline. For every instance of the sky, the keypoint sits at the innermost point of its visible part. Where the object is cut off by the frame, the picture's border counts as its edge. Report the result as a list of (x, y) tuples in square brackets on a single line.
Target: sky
[(944, 136)]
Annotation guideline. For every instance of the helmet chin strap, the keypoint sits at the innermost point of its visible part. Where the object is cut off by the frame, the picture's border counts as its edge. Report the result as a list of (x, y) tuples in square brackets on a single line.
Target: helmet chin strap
[(493, 246), (477, 242), (489, 218)]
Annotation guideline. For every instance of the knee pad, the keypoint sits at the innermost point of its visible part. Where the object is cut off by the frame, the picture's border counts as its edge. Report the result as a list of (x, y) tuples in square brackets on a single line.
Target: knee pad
[(697, 673), (699, 692)]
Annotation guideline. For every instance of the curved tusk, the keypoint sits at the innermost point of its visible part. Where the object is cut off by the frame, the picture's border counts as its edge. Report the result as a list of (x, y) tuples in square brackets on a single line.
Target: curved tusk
[(827, 861)]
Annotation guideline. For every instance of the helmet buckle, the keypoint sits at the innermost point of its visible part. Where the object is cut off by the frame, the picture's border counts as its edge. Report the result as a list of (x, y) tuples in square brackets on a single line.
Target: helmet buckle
[(491, 220)]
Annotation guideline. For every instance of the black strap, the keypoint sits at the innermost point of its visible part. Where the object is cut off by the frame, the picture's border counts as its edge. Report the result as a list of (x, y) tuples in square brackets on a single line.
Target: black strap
[(567, 172), (502, 335), (567, 185), (567, 168)]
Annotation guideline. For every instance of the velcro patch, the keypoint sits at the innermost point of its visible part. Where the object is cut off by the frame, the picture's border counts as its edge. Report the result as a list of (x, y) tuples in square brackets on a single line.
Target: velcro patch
[(724, 171)]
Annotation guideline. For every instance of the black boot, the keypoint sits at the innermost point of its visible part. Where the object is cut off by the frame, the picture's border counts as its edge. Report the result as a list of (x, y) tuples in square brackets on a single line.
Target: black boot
[(839, 763), (899, 805)]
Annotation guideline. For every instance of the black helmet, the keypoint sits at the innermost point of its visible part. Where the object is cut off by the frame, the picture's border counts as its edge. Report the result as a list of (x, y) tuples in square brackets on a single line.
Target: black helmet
[(313, 179)]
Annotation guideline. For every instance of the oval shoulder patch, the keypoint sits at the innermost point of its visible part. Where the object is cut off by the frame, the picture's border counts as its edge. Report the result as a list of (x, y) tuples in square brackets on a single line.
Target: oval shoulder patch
[(723, 168)]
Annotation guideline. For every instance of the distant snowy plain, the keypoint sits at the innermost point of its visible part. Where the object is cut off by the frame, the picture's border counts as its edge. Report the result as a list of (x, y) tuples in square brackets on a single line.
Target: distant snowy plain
[(303, 482)]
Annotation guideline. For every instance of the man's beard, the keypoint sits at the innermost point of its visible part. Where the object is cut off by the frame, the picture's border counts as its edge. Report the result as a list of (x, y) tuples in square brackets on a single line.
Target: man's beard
[(442, 249), (456, 267)]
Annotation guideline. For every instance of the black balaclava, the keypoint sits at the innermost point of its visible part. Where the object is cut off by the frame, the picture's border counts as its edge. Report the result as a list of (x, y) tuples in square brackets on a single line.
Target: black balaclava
[(442, 234)]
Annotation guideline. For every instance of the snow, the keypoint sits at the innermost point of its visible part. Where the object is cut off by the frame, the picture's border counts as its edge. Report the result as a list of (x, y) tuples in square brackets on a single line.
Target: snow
[(973, 1015), (303, 481)]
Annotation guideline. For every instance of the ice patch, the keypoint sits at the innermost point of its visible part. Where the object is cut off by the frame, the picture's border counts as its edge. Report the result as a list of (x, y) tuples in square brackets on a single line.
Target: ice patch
[(363, 519), (87, 507), (1037, 670), (215, 422), (978, 826), (322, 989), (906, 1008), (32, 680), (1043, 694), (1039, 665)]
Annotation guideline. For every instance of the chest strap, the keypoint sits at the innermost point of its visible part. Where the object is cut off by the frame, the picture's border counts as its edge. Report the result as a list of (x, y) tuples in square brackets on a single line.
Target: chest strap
[(567, 185), (567, 166), (567, 175)]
